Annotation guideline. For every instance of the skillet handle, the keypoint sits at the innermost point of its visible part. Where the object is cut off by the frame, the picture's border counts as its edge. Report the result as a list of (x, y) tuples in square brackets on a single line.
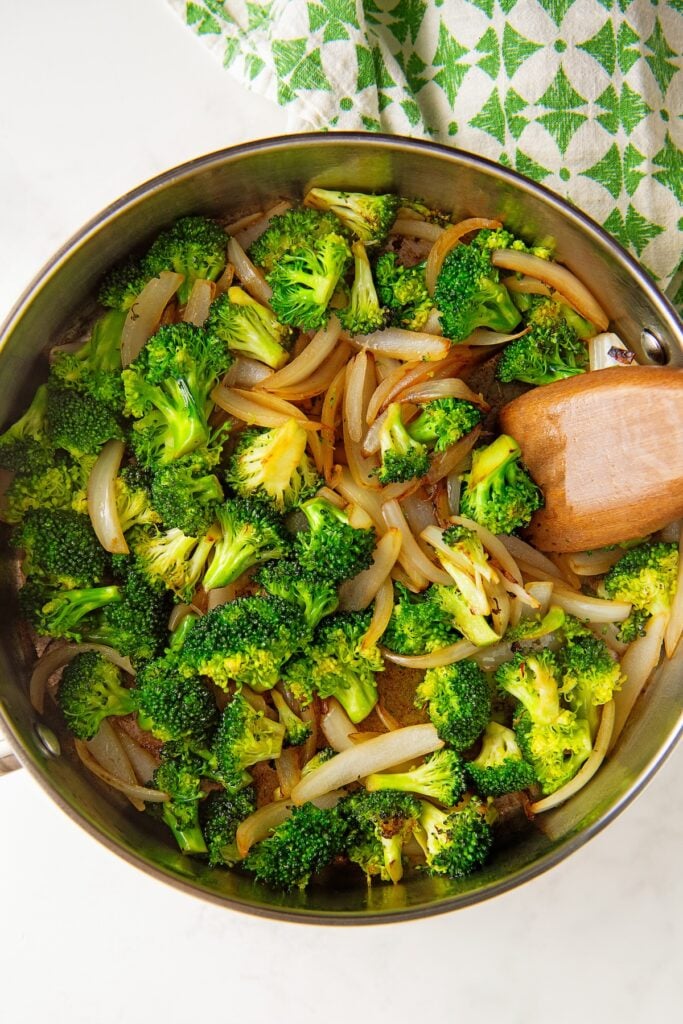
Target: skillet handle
[(8, 761)]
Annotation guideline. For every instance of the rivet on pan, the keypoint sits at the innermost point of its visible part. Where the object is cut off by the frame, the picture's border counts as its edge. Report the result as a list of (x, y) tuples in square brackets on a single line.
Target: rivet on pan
[(48, 740), (653, 347)]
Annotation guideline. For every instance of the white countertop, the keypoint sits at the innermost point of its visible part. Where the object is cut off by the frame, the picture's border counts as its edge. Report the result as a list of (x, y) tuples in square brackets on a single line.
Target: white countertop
[(96, 99)]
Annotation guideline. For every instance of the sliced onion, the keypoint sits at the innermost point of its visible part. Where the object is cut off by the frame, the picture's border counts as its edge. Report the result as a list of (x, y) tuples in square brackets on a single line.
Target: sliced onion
[(220, 596), (224, 282), (500, 604), (357, 593), (408, 227), (637, 665), (384, 366), (397, 343), (381, 614), (376, 755), (358, 517), (453, 458), (262, 822), (494, 545), (310, 715), (142, 762), (390, 723), (448, 556), (444, 656), (483, 337), (145, 314), (363, 471), (107, 753), (201, 297), (542, 592), (371, 442), (390, 383), (447, 387), (178, 613), (369, 500), (101, 492), (432, 324), (587, 769), (607, 350), (447, 241), (251, 277), (526, 285), (242, 223), (521, 551), (246, 373), (332, 404), (594, 563), (412, 557), (336, 726), (257, 223), (55, 658), (256, 408), (674, 627), (593, 609), (357, 374), (558, 277), (491, 658), (419, 512), (454, 490), (288, 770), (316, 352), (323, 377), (561, 562)]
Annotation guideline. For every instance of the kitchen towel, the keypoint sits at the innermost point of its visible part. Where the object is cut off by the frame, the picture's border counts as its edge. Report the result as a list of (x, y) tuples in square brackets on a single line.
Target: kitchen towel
[(585, 96)]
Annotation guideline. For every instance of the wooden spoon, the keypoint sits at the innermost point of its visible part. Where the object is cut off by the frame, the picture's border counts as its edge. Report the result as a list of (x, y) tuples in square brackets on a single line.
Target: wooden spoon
[(606, 449)]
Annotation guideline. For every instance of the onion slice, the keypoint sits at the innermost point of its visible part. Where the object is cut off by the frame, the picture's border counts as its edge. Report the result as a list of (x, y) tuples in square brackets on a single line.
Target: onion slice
[(381, 614), (246, 373), (357, 593), (558, 277), (201, 297), (142, 762), (637, 665), (453, 458), (253, 227), (336, 726), (444, 656), (101, 493), (412, 557), (357, 375), (446, 387), (481, 337), (494, 545), (262, 822), (259, 409), (593, 609), (397, 343), (145, 313), (447, 241), (322, 378), (108, 754), (587, 769), (674, 627), (410, 227), (376, 755), (251, 277), (316, 352)]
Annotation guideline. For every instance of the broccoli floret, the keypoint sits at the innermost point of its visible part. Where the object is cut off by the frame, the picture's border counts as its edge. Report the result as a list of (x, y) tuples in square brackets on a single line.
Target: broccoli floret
[(64, 613), (180, 776), (543, 355), (91, 690), (333, 549), (250, 533), (363, 315), (296, 730), (185, 495), (590, 676), (369, 217), (440, 778), (133, 499), (317, 760), (195, 247), (173, 558), (168, 388), (136, 624), (536, 627), (51, 480), (457, 842), (498, 492), (172, 706), (556, 749), (633, 627), (246, 641), (469, 294), (24, 444), (403, 291), (314, 596), (287, 231), (403, 458), (249, 328), (221, 814), (465, 558), (645, 576), (78, 422), (379, 825), (458, 701), (124, 282), (501, 238), (61, 548), (417, 626), (95, 368), (244, 738), (304, 281), (542, 312), (500, 768), (301, 846), (443, 422), (534, 680), (455, 607), (272, 465), (335, 664)]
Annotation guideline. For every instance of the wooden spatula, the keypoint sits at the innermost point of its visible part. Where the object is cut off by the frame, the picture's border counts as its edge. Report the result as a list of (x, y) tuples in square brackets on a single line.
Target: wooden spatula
[(606, 449)]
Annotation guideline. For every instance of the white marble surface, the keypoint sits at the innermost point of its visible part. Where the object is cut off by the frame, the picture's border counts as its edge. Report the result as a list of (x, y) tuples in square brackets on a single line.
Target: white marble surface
[(96, 98)]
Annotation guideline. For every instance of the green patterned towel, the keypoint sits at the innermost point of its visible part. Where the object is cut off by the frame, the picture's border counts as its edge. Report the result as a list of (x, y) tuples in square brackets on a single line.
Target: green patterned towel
[(583, 95)]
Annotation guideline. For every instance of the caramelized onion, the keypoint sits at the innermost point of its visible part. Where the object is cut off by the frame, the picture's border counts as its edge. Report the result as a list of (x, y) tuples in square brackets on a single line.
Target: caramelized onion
[(246, 373), (105, 757), (411, 227), (357, 375), (397, 343), (258, 408), (448, 240), (637, 665), (444, 656), (381, 614), (357, 593), (201, 297), (412, 557), (558, 277), (336, 726), (446, 387), (322, 378), (101, 493), (262, 822), (250, 276), (316, 352), (453, 458), (145, 314)]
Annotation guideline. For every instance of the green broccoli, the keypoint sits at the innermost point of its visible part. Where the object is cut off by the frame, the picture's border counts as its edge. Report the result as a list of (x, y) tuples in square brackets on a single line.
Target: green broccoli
[(403, 292), (174, 558), (301, 846), (379, 826), (124, 282), (296, 730), (498, 492), (95, 368), (464, 557), (135, 624), (403, 458), (50, 480), (168, 388), (61, 548), (64, 613), (172, 706), (314, 596), (220, 815), (443, 422), (333, 549), (287, 231), (250, 533), (78, 422), (455, 607), (195, 247), (536, 627), (591, 675), (133, 499), (368, 217), (335, 664), (246, 641), (417, 626), (501, 238), (549, 351), (304, 281), (91, 689), (25, 444), (458, 701), (180, 775), (364, 314), (457, 842), (245, 737), (185, 495), (273, 465), (441, 777), (499, 767), (645, 576), (249, 328), (542, 311), (533, 678), (469, 294)]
